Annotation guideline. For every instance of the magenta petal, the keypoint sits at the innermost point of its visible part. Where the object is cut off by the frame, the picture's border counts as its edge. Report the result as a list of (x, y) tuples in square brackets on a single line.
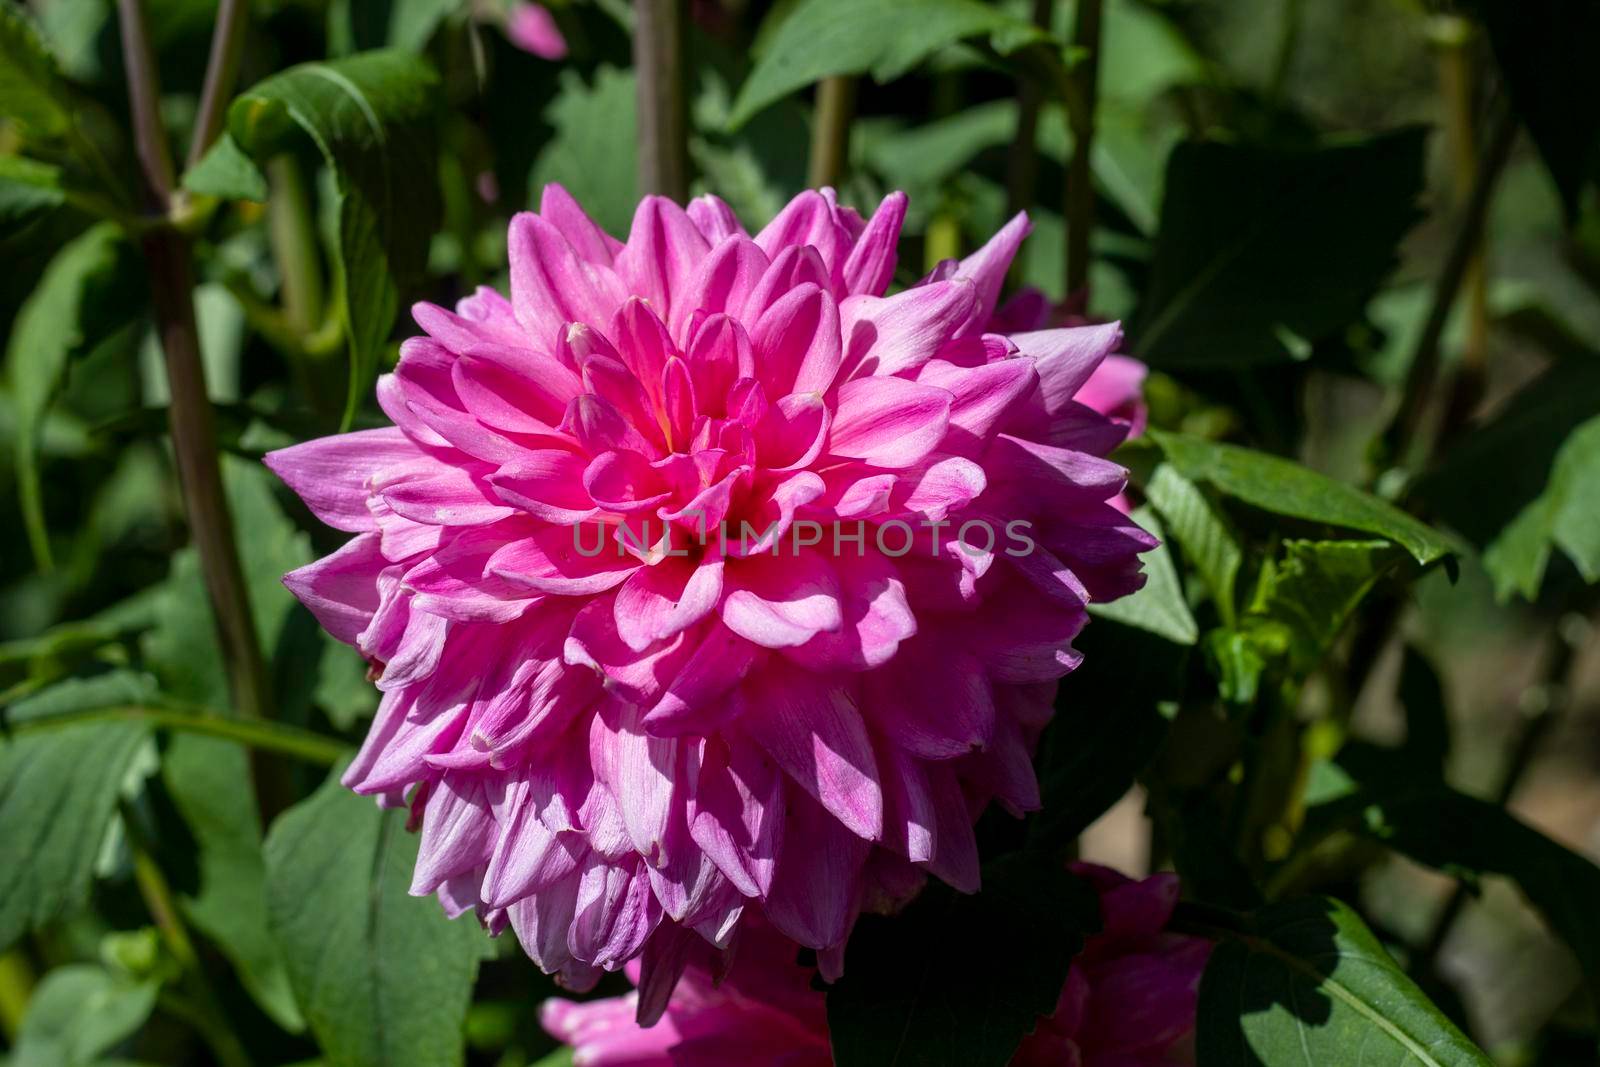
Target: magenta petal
[(581, 232), (332, 474), (796, 342), (870, 267), (932, 700), (888, 422), (457, 832), (714, 218), (814, 889), (551, 284), (778, 603), (986, 268), (660, 601), (816, 734), (891, 335), (342, 589), (663, 250)]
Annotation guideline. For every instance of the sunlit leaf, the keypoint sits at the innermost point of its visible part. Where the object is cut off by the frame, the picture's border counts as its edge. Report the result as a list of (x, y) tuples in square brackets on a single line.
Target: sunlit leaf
[(58, 795), (372, 117), (382, 976), (1308, 986), (819, 38), (1283, 487)]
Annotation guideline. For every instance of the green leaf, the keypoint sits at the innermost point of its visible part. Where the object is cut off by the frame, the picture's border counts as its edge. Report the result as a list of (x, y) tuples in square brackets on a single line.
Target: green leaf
[(1202, 533), (593, 152), (382, 976), (1305, 600), (208, 780), (1566, 515), (28, 189), (1283, 487), (58, 794), (821, 38), (354, 25), (79, 1012), (86, 293), (32, 91), (922, 987), (1545, 49), (1232, 284), (227, 173), (372, 116), (1158, 607), (1309, 985), (1538, 453)]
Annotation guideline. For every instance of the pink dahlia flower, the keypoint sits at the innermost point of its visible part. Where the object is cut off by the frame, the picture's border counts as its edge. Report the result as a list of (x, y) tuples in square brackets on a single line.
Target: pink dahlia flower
[(763, 1012), (1129, 1000), (1130, 997), (701, 576)]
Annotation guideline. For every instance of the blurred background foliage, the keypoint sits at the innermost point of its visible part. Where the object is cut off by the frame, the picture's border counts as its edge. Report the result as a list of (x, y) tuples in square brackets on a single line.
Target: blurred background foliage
[(1363, 237)]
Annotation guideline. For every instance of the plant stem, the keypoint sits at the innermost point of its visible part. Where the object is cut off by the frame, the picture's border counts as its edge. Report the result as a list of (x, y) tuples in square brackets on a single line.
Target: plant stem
[(1022, 168), (163, 908), (1288, 41), (662, 103), (191, 419), (259, 735), (1424, 367), (1534, 729), (1453, 36), (222, 71), (1080, 178), (293, 236), (16, 988), (830, 131)]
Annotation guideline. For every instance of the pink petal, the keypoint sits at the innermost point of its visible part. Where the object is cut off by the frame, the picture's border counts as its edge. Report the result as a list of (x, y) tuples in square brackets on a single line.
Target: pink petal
[(582, 232), (796, 342), (661, 601), (816, 734), (813, 892), (870, 266), (342, 589), (721, 282), (714, 218), (551, 284), (778, 602), (663, 250), (532, 29), (891, 335), (931, 700), (547, 484), (986, 268), (888, 422), (331, 474)]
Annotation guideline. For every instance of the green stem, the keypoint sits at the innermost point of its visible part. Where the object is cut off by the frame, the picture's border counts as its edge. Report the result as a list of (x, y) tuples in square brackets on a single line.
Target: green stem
[(1080, 177), (830, 131), (1288, 41), (163, 907), (1534, 729), (293, 235), (662, 102), (191, 420), (222, 72), (16, 988), (1414, 402), (258, 735)]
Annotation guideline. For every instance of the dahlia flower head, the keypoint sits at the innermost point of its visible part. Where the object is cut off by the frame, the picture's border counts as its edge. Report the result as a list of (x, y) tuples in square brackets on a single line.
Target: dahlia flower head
[(1129, 1000), (702, 577)]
